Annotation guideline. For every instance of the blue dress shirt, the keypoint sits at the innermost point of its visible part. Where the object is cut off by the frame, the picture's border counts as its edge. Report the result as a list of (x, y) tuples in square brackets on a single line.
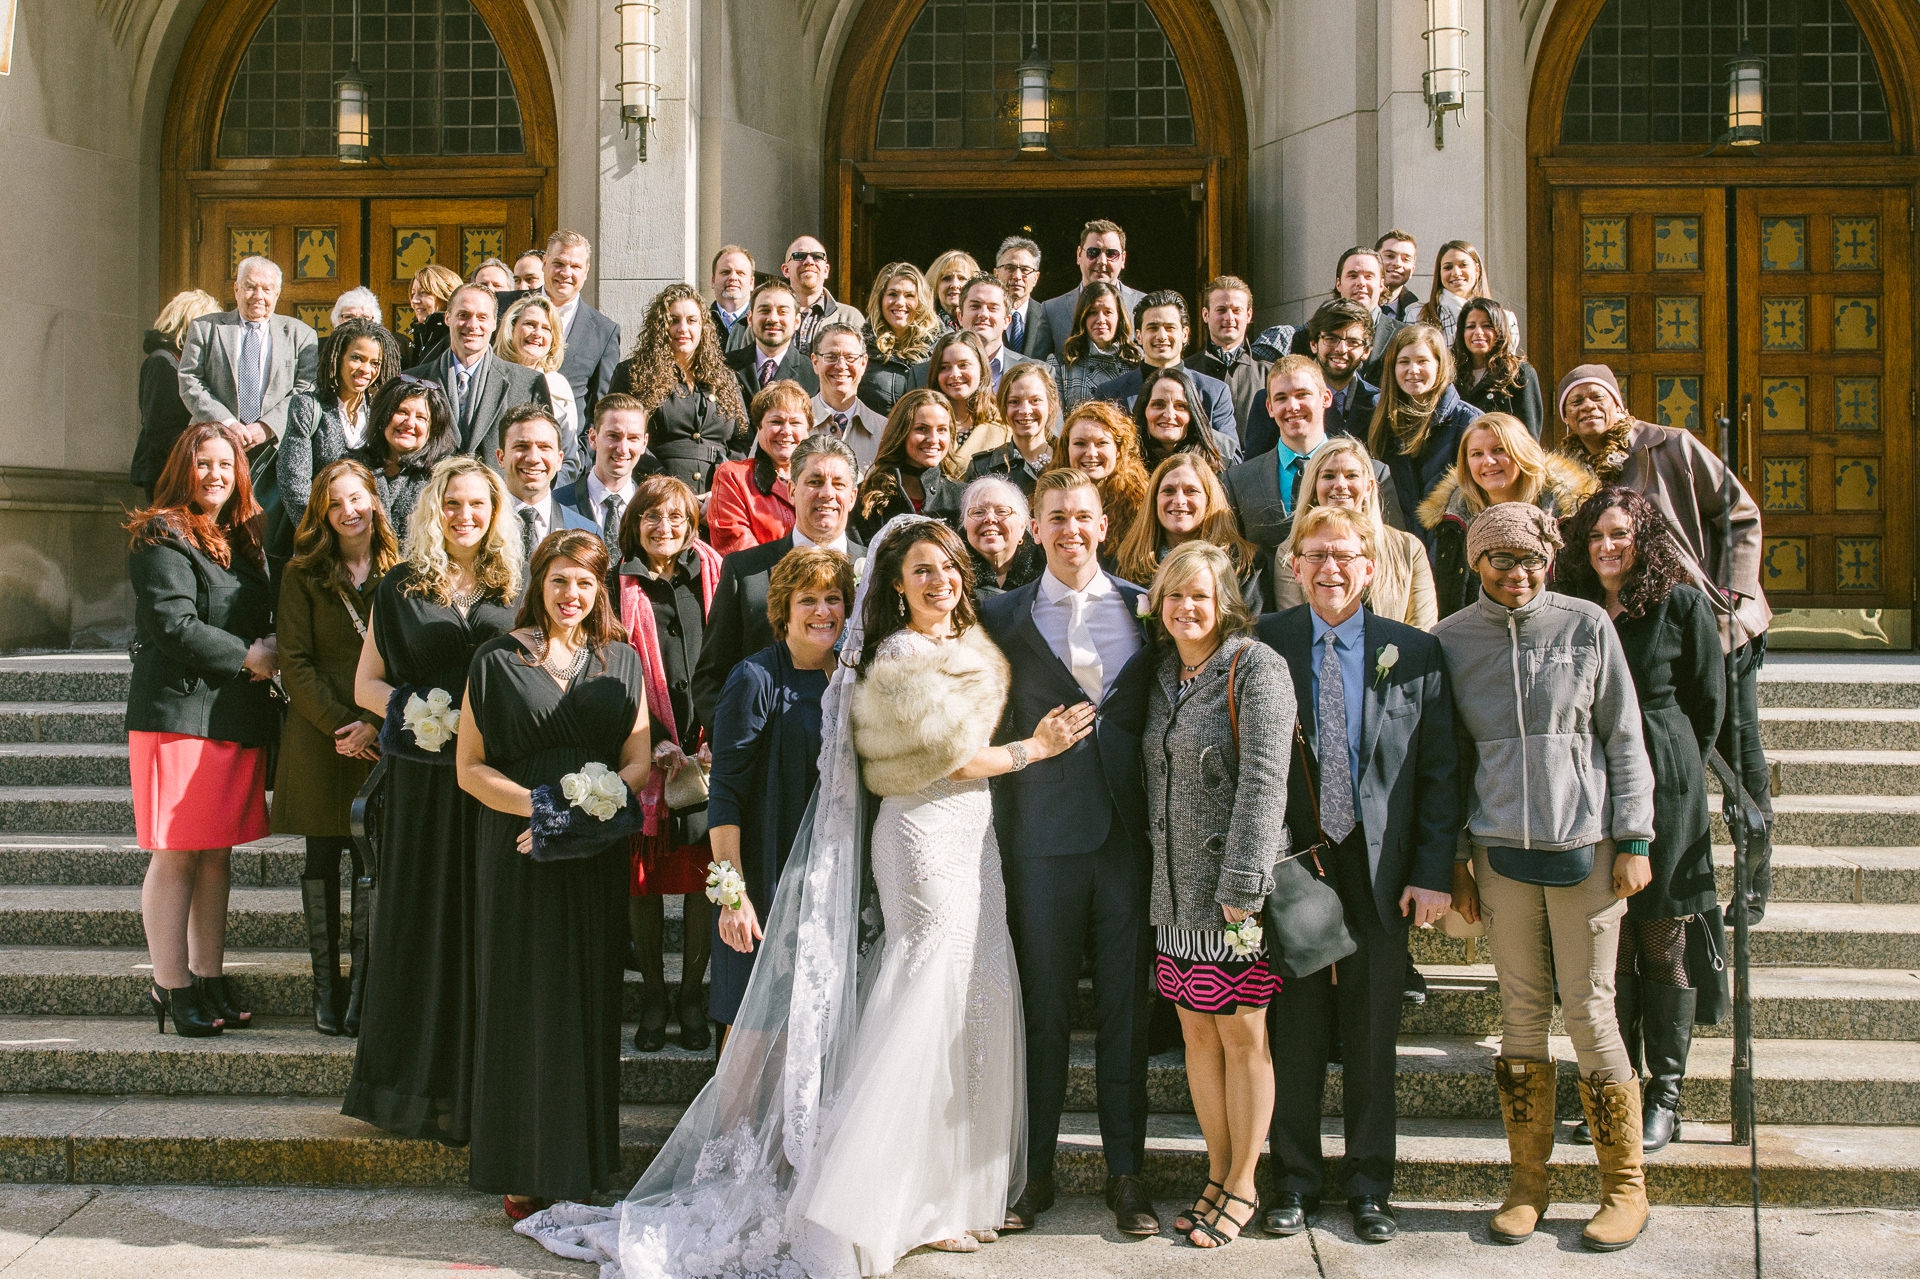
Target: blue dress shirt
[(1291, 466), (1350, 640)]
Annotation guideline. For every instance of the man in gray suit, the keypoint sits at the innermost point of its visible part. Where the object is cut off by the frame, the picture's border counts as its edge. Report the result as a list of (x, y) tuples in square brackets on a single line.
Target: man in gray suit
[(479, 384), (593, 340), (1017, 266), (243, 367), (1102, 255)]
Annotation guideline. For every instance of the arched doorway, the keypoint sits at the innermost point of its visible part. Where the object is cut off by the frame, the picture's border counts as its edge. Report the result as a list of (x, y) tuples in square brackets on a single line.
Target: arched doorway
[(1148, 129), (1768, 285), (464, 150)]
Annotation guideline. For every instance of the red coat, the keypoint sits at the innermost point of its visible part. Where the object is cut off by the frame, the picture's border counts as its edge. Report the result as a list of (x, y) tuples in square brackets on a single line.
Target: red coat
[(749, 506)]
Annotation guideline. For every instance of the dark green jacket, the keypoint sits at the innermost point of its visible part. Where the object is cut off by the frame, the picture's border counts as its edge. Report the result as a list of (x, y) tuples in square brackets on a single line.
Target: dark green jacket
[(193, 622)]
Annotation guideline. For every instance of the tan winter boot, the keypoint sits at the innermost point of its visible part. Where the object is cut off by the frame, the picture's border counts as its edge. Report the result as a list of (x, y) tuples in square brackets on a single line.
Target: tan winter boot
[(1613, 1112), (1526, 1106)]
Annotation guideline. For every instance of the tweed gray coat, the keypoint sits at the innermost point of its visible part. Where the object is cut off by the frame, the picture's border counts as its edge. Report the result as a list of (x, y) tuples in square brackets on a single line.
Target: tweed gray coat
[(1216, 814)]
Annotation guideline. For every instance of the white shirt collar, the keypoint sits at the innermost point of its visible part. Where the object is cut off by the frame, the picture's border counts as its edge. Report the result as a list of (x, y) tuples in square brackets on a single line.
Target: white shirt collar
[(1055, 591), (543, 511), (801, 539), (597, 492), (566, 313), (823, 410)]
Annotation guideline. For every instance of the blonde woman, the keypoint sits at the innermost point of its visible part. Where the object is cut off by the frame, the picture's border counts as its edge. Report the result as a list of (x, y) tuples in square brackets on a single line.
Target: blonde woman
[(531, 335), (1188, 504), (1029, 403), (452, 593), (949, 275), (426, 338), (163, 415), (1419, 418), (901, 328), (1498, 461), (1341, 474)]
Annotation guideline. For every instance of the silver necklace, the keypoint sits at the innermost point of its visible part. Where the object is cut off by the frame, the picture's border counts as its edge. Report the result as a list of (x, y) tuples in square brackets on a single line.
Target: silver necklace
[(464, 600), (574, 666)]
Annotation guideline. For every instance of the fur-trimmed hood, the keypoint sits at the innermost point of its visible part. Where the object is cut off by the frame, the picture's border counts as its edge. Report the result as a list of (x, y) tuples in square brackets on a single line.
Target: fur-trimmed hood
[(1568, 485), (917, 718)]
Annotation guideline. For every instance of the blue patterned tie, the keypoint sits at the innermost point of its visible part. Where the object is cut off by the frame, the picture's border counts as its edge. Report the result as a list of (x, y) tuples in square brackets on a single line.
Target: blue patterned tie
[(247, 377), (1336, 771), (1017, 331)]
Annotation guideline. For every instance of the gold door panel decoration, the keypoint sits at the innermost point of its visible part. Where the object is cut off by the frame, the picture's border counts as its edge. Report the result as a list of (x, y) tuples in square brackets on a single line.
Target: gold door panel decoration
[(413, 249), (1679, 401), (1856, 484), (478, 243), (1856, 403), (459, 234), (316, 315), (1783, 324), (1606, 324), (1783, 244), (1856, 324), (314, 242), (1857, 563), (1785, 485), (1676, 244), (244, 243), (1856, 244), (1783, 403), (316, 253), (1676, 324), (1606, 244)]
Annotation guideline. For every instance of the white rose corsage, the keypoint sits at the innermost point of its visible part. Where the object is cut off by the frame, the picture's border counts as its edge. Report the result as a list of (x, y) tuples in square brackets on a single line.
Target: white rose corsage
[(582, 815), (1389, 656), (596, 790), (1246, 937), (418, 725), (725, 888)]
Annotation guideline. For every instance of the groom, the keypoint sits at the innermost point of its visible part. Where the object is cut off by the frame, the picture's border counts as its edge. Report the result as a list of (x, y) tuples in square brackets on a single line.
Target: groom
[(1071, 832)]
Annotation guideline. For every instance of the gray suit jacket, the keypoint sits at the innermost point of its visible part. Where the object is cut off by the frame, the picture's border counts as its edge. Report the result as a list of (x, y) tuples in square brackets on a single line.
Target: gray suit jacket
[(497, 386), (1058, 313), (1253, 490), (593, 349), (1037, 341), (212, 350)]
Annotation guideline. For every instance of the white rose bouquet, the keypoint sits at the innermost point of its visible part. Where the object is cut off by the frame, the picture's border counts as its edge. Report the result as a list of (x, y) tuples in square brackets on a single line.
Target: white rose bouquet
[(1246, 937), (419, 724), (582, 815), (596, 790)]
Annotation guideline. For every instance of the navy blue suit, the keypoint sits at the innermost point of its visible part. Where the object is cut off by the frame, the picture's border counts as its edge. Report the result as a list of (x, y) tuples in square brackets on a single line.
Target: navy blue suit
[(1072, 841)]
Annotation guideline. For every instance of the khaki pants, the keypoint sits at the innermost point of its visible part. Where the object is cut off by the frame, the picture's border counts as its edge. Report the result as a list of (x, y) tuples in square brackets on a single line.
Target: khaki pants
[(1571, 935)]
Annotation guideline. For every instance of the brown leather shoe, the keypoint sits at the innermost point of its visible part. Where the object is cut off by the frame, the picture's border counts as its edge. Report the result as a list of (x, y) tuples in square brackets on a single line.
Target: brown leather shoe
[(1026, 1210), (1133, 1212)]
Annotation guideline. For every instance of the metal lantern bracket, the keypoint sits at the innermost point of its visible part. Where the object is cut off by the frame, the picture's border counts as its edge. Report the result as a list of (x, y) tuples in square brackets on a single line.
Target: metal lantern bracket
[(639, 84), (1444, 86), (353, 106)]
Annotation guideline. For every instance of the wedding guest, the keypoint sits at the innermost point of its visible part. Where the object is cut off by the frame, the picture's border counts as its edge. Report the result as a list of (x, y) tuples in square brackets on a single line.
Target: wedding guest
[(776, 352), (1017, 267), (914, 471), (1458, 277), (199, 717), (1170, 417), (1418, 420), (1381, 806), (592, 339), (1340, 335), (750, 502), (559, 692), (1188, 505), (427, 298), (1632, 567), (1101, 347), (358, 359), (1029, 403), (692, 399), (994, 518), (529, 460), (1498, 461), (766, 752), (1216, 808), (958, 369), (840, 362), (1399, 255), (901, 328), (451, 593), (1100, 441), (529, 335), (163, 414), (667, 579), (617, 441), (1101, 256), (732, 284), (1490, 371), (1401, 587), (806, 268), (359, 301), (244, 367), (947, 278), (1161, 327), (493, 274), (328, 745), (530, 271), (1558, 822), (412, 432), (481, 388)]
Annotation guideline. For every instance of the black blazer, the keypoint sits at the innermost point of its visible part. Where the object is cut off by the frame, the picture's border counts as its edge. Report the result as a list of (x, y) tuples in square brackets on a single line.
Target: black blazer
[(731, 339), (1214, 394), (1355, 417), (737, 620), (1408, 799), (499, 386), (593, 349), (794, 364), (193, 622), (1069, 804), (1253, 491), (1522, 399), (687, 433), (1036, 340), (163, 415)]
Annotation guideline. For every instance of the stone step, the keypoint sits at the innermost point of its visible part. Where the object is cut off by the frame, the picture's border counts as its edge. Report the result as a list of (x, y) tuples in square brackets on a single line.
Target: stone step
[(1838, 772), (306, 1142), (1840, 729), (89, 809), (102, 722), (1837, 821), (116, 859), (63, 764), (1801, 873), (65, 677), (1438, 1077), (1841, 681)]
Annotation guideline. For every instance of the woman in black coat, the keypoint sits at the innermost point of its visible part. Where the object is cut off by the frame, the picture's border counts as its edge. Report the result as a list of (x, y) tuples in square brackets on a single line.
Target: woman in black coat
[(901, 328), (1622, 555), (1418, 419), (695, 419), (410, 431), (199, 715), (1491, 373), (163, 415)]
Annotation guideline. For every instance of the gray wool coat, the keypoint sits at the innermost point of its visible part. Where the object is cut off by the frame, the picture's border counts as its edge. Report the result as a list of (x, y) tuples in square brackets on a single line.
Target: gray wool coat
[(1216, 813)]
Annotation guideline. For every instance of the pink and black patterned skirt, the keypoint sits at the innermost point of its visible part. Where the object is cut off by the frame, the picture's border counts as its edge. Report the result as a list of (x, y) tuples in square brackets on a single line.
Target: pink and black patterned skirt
[(1197, 969)]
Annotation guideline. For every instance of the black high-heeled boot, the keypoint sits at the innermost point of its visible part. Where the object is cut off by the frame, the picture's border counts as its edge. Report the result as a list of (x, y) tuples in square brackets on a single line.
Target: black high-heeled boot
[(360, 928), (648, 928), (696, 948), (190, 1019), (320, 900), (217, 999), (1667, 1024)]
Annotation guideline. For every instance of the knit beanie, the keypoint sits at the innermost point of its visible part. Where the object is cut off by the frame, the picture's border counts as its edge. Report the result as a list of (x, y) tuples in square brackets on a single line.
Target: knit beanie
[(1597, 374), (1512, 526)]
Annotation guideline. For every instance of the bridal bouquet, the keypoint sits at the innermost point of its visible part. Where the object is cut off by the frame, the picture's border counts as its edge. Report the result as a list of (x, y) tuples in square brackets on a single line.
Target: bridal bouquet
[(418, 727), (582, 815), (1245, 937)]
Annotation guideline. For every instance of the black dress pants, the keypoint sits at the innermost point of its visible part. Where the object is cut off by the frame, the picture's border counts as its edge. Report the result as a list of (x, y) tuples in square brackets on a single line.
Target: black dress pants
[(1365, 1001), (1054, 905)]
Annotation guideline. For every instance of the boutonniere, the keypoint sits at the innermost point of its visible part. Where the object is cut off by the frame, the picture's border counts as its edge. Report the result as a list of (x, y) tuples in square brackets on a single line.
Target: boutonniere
[(859, 569), (1143, 608), (1389, 656)]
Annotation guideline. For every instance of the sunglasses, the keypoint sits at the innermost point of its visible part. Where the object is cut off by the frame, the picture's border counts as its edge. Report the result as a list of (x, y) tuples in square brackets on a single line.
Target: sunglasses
[(1097, 253), (806, 255)]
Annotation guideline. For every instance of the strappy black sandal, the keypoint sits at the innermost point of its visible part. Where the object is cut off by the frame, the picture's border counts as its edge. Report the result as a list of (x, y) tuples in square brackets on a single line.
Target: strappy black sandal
[(1192, 1215), (1209, 1228)]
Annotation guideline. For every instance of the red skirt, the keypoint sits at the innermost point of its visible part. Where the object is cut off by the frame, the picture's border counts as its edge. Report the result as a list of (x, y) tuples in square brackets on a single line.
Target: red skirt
[(672, 873), (192, 793)]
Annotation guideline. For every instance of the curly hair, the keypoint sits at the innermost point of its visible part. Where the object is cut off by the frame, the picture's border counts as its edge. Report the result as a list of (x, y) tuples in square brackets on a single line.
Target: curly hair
[(1657, 563), (652, 374), (1123, 491), (333, 353), (913, 344), (1503, 362), (316, 544), (498, 566)]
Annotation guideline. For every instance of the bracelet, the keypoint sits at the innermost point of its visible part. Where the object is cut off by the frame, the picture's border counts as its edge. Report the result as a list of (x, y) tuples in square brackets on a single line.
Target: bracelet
[(725, 888), (1019, 752)]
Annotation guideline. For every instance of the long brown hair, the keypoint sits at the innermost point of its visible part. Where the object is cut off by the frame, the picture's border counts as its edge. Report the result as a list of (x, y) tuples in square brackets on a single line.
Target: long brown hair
[(1481, 288), (173, 513), (1124, 490), (316, 543), (601, 626), (980, 405), (1080, 344), (1137, 557), (883, 480), (652, 374), (1402, 422), (1503, 362), (886, 609)]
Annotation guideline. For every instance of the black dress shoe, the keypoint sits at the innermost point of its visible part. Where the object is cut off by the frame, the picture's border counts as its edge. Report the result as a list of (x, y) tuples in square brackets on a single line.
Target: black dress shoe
[(1413, 988), (1133, 1212), (1291, 1213), (1026, 1210), (1372, 1219)]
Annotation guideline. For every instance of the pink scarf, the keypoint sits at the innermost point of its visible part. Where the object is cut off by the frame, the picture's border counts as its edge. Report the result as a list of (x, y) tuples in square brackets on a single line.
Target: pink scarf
[(636, 614)]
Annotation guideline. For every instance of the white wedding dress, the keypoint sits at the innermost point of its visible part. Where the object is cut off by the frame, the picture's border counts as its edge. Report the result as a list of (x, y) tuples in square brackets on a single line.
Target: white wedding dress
[(872, 1095)]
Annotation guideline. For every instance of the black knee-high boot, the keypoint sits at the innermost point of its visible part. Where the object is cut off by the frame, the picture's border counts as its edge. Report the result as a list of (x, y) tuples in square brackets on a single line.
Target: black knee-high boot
[(696, 947), (320, 899), (1667, 1026), (361, 928)]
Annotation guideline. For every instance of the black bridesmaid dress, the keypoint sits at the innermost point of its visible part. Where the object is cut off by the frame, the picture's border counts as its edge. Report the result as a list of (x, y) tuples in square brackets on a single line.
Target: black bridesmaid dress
[(412, 1071), (548, 937)]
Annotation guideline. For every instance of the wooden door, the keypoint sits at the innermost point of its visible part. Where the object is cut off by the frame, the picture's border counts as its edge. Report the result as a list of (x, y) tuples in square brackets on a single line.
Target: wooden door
[(1825, 380), (459, 234), (316, 244), (1640, 285)]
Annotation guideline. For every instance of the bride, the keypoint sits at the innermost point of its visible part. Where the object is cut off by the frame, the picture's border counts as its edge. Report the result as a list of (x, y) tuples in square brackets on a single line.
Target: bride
[(872, 1095)]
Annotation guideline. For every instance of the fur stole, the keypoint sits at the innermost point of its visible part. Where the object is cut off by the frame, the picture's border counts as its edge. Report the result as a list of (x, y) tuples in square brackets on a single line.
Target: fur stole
[(1568, 485), (918, 717)]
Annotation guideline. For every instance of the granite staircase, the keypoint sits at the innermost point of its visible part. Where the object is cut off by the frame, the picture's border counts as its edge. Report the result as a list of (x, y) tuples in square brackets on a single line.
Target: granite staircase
[(89, 1093)]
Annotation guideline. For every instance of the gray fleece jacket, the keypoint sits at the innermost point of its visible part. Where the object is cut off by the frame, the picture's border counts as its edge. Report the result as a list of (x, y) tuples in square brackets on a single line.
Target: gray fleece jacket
[(1546, 712)]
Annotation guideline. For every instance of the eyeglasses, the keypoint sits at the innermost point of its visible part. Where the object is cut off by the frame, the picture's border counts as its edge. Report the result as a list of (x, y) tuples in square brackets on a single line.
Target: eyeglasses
[(1504, 563), (807, 255), (1096, 252), (1317, 558), (1014, 268), (1001, 513), (846, 361), (1334, 339), (658, 518)]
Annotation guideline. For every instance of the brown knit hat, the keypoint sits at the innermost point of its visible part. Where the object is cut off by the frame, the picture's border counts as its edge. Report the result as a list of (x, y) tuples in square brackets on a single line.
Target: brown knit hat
[(1598, 375), (1512, 526)]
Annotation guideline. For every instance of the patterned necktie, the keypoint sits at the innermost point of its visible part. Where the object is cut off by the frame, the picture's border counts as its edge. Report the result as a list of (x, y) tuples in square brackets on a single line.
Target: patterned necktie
[(1336, 770), (246, 379), (838, 424), (527, 541), (1017, 330), (1082, 657), (463, 411), (610, 520), (766, 374)]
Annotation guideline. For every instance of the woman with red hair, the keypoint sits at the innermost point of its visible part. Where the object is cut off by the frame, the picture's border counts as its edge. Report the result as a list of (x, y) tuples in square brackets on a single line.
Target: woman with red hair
[(199, 715)]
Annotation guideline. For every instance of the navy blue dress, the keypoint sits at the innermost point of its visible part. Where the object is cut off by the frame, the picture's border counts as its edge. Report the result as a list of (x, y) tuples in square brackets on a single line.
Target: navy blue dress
[(766, 760)]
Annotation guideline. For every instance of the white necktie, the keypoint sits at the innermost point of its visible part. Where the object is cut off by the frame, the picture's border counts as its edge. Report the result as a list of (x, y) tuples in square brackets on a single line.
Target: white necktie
[(1082, 657)]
